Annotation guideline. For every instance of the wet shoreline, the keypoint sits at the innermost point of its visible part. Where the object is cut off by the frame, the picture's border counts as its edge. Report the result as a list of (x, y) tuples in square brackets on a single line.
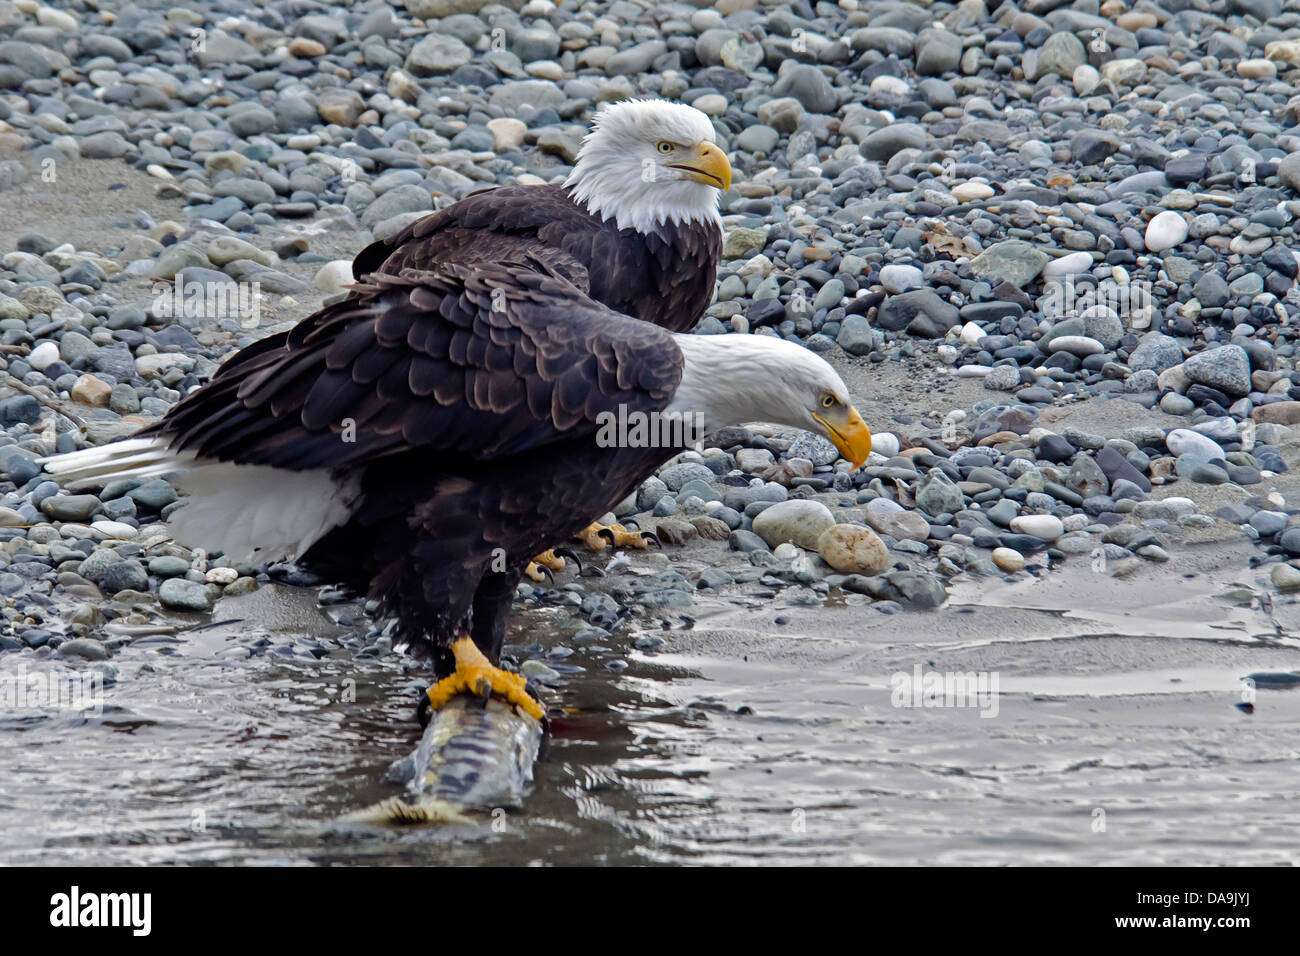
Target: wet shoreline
[(739, 741)]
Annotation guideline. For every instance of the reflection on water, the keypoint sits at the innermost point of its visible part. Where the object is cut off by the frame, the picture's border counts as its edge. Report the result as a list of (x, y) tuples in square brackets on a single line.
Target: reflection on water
[(1117, 739)]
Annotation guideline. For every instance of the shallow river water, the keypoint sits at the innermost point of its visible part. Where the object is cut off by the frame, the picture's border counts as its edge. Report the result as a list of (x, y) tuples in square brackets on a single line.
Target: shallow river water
[(1115, 737)]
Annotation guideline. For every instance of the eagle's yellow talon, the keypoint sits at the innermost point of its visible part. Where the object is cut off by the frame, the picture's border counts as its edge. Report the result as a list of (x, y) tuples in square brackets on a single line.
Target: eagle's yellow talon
[(597, 537), (476, 675), (547, 559)]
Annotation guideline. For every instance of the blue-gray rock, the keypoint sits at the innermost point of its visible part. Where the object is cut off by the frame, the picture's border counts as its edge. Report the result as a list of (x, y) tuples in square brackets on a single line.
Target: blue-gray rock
[(675, 476), (882, 144), (1091, 146), (857, 337), (746, 541), (898, 311), (936, 494), (122, 575), (1156, 352), (184, 595), (79, 508), (1226, 368), (808, 85), (1013, 260), (1211, 290), (937, 52), (85, 648)]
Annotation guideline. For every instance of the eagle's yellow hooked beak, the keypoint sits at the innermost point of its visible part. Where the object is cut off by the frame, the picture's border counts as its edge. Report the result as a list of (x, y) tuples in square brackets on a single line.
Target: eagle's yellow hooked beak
[(709, 165), (850, 434)]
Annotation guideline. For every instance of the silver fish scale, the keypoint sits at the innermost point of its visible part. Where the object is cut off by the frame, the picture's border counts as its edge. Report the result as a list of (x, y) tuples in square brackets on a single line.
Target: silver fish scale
[(476, 757)]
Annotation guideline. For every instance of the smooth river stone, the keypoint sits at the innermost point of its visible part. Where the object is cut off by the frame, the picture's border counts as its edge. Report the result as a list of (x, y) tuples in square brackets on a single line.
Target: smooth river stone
[(1165, 231), (1184, 441), (1080, 345), (1008, 559), (798, 520), (1074, 264), (853, 549), (1046, 527)]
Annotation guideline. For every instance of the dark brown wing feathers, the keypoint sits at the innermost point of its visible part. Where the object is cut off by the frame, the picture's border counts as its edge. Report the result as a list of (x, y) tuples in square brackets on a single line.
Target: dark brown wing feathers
[(665, 277), (424, 360)]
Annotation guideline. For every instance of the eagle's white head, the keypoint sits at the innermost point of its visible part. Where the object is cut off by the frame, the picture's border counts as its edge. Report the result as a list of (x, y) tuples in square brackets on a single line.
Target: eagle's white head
[(737, 378), (647, 163)]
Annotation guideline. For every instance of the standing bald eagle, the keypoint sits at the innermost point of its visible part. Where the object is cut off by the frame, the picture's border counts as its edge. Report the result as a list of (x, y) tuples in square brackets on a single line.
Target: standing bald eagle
[(422, 438), (635, 226)]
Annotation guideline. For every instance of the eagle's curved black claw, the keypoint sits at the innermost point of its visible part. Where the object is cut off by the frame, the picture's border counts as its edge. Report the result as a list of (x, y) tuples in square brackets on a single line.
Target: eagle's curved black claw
[(607, 534), (649, 537), (630, 523), (568, 556), (550, 577), (535, 692)]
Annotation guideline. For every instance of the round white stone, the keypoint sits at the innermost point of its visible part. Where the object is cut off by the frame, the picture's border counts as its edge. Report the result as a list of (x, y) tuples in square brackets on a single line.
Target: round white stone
[(971, 192), (1085, 79), (507, 132), (1075, 522), (1073, 264), (711, 104), (222, 576), (971, 333), (1165, 231), (43, 356), (1008, 559), (886, 443), (113, 529), (333, 276), (798, 520), (900, 278), (1080, 345), (1183, 441), (147, 365), (1257, 69), (1046, 527), (890, 85), (59, 19)]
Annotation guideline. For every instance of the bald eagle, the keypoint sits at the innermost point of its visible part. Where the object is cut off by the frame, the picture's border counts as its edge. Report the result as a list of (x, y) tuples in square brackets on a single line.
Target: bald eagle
[(635, 226), (421, 439)]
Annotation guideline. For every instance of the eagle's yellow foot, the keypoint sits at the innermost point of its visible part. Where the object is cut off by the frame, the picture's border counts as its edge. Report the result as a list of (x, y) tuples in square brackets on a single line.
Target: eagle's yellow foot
[(476, 675), (540, 568), (597, 536)]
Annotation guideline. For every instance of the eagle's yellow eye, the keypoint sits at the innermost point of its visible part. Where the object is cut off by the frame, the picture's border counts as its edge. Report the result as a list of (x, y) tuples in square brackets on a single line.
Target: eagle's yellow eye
[(828, 400), (665, 146)]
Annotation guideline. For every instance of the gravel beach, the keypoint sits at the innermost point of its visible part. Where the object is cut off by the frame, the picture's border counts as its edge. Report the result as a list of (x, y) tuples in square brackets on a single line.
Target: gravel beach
[(1051, 247)]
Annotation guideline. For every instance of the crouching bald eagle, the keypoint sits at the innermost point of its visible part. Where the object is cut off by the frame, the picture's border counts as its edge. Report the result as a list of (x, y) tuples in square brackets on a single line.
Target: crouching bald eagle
[(423, 438)]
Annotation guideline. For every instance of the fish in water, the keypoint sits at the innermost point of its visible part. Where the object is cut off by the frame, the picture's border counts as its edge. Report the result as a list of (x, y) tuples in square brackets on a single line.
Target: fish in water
[(475, 755)]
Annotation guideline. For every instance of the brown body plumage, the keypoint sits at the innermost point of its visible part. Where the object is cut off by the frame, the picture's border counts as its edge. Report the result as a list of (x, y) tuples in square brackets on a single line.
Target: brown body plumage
[(665, 276)]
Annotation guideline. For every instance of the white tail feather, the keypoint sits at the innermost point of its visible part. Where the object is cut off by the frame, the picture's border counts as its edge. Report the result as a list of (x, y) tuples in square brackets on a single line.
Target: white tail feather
[(123, 459), (252, 512), (260, 513)]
